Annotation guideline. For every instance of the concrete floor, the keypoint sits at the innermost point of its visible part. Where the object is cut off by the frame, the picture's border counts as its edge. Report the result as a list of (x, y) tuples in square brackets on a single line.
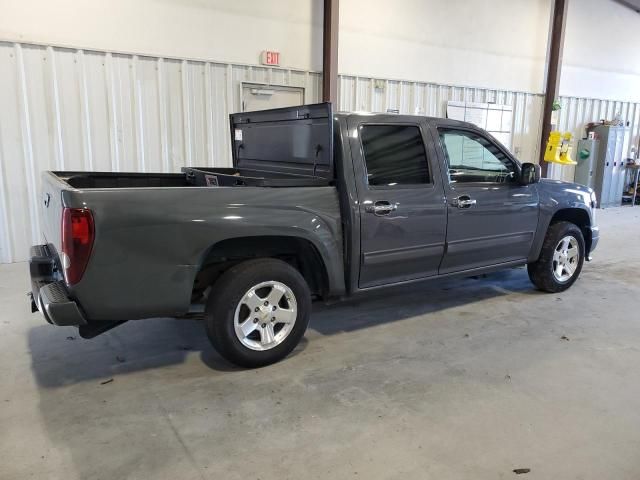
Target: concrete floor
[(465, 380)]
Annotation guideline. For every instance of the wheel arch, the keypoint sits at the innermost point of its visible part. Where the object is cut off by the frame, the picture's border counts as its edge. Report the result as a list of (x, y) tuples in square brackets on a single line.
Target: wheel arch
[(578, 216), (299, 252)]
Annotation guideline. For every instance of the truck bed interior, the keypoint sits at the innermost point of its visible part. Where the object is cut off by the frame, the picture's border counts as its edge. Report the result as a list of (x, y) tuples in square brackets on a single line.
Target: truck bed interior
[(122, 180), (191, 177)]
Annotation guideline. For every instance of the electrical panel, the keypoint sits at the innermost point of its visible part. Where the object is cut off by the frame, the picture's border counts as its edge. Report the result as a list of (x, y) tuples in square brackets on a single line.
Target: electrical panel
[(586, 155)]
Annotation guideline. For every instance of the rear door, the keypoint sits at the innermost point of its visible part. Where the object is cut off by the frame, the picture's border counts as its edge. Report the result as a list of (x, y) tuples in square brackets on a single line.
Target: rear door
[(491, 217), (400, 198)]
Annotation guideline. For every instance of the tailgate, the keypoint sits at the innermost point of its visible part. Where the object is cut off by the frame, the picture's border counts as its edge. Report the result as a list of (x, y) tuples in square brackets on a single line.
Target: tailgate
[(51, 205)]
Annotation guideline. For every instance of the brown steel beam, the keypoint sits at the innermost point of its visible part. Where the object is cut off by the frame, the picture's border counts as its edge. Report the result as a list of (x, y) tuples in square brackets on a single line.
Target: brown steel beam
[(330, 51), (552, 71)]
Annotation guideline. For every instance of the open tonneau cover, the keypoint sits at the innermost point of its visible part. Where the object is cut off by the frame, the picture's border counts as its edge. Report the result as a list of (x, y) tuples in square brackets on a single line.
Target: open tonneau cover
[(295, 141), (282, 147)]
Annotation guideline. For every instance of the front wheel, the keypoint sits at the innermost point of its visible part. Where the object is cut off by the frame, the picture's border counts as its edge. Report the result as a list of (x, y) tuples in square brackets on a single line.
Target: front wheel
[(257, 312), (560, 260)]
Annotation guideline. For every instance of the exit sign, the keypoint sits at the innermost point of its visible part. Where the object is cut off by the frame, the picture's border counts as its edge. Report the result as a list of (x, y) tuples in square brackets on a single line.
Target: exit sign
[(269, 57)]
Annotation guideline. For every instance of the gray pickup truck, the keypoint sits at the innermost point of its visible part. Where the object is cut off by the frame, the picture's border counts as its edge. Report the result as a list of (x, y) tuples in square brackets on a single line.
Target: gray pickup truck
[(318, 205)]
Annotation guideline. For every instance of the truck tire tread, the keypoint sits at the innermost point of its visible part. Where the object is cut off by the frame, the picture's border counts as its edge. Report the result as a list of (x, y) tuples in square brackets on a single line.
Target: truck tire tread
[(540, 271), (228, 290)]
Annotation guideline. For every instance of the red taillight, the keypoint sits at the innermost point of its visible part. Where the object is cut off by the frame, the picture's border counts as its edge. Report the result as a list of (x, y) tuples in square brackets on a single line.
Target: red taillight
[(77, 241)]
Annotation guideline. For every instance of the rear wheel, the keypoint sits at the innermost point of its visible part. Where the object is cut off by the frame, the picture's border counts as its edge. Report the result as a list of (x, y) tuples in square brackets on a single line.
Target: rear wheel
[(257, 312), (560, 260)]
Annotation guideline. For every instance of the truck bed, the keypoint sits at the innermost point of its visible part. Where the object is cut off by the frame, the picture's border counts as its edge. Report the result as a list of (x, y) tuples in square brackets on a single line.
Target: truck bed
[(84, 180), (143, 227), (191, 177), (167, 232)]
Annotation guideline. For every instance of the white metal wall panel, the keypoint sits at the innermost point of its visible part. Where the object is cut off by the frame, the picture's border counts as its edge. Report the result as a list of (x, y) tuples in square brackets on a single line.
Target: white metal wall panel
[(418, 98), (576, 113), (71, 109)]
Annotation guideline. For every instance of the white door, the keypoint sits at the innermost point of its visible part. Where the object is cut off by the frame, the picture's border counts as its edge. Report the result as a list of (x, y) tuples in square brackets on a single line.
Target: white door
[(263, 97)]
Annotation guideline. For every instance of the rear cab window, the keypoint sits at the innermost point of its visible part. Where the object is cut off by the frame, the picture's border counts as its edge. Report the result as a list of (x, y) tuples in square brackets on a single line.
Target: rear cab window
[(394, 155)]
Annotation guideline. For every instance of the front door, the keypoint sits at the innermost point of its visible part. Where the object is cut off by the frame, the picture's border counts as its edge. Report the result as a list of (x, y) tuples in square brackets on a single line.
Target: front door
[(401, 202), (491, 217)]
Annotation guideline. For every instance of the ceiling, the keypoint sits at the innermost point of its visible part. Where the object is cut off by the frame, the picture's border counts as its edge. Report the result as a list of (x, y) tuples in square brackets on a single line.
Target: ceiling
[(633, 4)]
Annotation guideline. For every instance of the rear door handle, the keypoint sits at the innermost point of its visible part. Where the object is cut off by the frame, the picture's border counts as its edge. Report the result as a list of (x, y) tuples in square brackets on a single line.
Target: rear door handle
[(381, 208), (463, 201)]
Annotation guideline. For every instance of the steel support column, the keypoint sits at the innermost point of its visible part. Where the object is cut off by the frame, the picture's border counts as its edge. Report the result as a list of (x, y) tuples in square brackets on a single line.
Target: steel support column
[(330, 51), (552, 71)]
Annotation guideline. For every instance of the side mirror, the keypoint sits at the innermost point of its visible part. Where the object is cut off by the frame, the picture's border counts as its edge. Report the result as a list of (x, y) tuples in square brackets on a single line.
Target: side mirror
[(529, 174)]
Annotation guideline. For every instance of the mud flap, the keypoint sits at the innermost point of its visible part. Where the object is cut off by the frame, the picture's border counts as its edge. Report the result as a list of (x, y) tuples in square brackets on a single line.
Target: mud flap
[(93, 329)]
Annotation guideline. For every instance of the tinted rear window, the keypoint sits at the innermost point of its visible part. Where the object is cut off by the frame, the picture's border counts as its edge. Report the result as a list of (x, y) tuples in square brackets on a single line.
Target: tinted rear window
[(394, 155)]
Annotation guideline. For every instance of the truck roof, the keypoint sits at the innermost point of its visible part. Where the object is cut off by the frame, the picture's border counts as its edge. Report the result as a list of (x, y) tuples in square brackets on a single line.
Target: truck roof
[(382, 116)]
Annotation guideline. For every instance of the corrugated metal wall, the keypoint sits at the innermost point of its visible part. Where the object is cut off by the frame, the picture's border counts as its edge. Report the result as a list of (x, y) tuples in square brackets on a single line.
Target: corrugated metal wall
[(576, 113), (71, 109)]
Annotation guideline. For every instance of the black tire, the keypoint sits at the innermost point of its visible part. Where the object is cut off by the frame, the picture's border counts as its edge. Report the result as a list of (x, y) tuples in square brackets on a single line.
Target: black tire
[(541, 271), (229, 290)]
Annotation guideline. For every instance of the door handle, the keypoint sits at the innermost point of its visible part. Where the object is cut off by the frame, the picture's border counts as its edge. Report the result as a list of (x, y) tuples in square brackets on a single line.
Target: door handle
[(381, 207), (463, 201)]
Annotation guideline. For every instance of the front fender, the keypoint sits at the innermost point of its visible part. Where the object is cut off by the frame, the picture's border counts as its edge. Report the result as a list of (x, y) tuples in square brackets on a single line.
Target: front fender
[(556, 199)]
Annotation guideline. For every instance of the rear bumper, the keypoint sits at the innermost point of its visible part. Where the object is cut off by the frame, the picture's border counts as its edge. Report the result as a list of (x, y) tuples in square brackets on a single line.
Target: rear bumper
[(49, 295)]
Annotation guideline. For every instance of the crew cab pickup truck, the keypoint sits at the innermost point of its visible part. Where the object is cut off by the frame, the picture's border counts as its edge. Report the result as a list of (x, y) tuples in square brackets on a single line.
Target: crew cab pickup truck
[(317, 206)]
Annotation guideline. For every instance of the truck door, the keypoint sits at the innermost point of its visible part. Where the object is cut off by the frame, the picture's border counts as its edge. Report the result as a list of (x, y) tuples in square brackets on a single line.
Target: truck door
[(491, 217), (400, 199)]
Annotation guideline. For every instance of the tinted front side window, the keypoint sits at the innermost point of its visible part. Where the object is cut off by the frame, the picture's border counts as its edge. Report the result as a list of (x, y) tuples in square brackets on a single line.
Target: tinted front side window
[(394, 155), (472, 158)]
